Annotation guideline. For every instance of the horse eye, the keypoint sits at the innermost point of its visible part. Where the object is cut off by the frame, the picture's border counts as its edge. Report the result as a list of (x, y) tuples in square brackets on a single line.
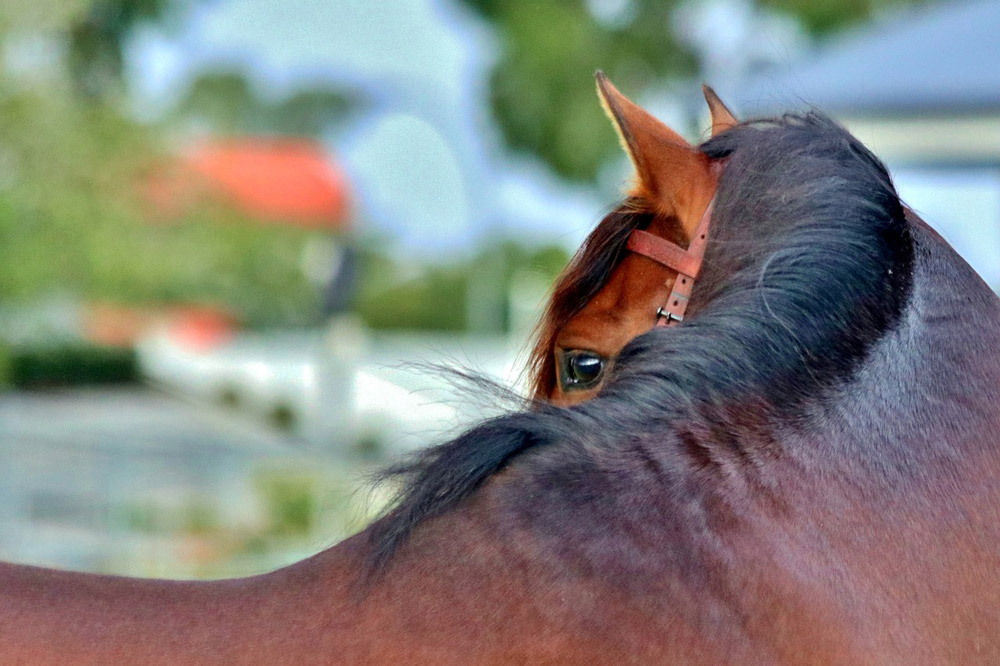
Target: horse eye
[(579, 370)]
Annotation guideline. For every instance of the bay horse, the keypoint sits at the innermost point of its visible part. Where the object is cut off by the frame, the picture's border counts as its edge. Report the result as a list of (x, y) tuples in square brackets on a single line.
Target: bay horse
[(804, 471)]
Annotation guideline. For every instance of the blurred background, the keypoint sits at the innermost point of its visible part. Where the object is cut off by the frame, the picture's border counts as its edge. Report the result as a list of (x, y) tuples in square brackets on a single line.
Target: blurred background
[(229, 227)]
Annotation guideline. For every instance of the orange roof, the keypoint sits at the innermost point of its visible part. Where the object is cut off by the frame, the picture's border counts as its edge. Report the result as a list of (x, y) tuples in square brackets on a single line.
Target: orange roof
[(270, 179)]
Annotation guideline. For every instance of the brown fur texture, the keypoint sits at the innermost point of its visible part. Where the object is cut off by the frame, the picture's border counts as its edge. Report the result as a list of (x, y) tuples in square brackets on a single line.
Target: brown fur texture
[(806, 472)]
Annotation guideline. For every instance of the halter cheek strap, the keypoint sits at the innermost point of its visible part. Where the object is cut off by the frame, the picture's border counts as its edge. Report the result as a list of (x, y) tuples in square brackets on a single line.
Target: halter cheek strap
[(687, 264)]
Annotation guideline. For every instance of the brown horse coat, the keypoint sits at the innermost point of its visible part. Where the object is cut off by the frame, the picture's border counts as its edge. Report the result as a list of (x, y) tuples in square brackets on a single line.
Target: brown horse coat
[(804, 472)]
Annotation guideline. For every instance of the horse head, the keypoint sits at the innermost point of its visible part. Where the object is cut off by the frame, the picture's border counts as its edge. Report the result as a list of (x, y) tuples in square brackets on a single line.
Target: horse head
[(607, 295)]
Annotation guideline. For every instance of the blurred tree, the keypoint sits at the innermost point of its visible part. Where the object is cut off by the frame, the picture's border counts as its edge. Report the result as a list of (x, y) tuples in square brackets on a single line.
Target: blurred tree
[(40, 14), (72, 220), (221, 100), (542, 88), (96, 41), (313, 111), (227, 103), (822, 17), (92, 34)]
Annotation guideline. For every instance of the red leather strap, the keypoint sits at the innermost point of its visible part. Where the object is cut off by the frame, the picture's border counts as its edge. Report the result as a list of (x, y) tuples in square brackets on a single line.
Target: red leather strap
[(687, 264), (663, 252)]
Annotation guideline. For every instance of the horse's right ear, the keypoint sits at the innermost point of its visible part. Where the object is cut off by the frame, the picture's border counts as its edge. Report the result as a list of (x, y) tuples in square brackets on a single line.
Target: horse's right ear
[(671, 174), (722, 117)]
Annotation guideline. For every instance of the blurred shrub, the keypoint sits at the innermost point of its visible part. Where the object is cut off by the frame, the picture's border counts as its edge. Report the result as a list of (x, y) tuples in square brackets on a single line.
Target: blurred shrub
[(226, 101), (6, 380), (200, 517), (142, 518), (289, 501), (76, 365), (214, 257), (437, 298)]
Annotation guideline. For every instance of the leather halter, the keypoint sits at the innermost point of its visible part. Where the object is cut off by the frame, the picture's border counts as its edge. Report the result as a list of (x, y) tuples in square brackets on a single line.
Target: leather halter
[(687, 264)]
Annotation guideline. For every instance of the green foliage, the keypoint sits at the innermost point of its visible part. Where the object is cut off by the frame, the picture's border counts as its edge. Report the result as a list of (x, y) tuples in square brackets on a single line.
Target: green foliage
[(41, 14), (542, 87), (290, 503), (822, 17), (6, 377), (195, 516), (437, 298), (65, 172), (200, 517), (226, 102), (76, 365), (72, 220), (96, 41), (72, 216), (92, 32), (283, 417), (212, 256), (140, 518)]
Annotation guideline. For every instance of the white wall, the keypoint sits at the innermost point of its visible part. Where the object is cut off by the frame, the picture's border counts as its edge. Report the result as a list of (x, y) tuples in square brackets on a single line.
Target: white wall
[(963, 204)]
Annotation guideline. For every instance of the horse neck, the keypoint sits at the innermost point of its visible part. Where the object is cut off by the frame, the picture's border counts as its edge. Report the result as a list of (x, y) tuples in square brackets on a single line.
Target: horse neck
[(621, 544), (299, 615), (437, 604), (714, 546), (897, 480), (930, 387)]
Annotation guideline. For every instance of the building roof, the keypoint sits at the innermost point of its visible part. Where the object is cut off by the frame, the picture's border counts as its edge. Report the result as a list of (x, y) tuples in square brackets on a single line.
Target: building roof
[(940, 59), (280, 180)]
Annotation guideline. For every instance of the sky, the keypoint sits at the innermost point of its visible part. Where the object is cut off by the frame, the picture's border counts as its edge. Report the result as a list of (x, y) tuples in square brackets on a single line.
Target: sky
[(428, 166)]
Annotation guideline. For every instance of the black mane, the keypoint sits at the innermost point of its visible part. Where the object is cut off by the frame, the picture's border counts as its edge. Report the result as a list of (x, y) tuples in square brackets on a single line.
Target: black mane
[(809, 263)]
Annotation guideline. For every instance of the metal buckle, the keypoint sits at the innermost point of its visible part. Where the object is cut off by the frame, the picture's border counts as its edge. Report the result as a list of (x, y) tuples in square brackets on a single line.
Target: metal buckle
[(670, 316)]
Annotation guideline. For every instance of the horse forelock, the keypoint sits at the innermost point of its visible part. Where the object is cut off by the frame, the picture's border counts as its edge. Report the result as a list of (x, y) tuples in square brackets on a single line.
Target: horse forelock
[(809, 264), (587, 272)]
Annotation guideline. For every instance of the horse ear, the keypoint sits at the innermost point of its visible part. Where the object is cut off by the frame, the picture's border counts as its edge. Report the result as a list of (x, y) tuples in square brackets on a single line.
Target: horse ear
[(722, 117), (667, 167)]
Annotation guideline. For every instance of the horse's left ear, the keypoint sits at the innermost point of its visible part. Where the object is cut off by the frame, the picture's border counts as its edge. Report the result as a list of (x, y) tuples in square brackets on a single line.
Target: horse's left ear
[(722, 117), (670, 172)]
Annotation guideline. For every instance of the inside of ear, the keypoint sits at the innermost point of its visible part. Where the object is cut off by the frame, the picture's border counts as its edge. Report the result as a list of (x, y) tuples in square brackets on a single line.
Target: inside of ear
[(638, 131), (673, 178)]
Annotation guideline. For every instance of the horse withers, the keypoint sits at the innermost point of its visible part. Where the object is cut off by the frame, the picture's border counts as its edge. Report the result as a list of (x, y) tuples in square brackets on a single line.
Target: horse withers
[(802, 471)]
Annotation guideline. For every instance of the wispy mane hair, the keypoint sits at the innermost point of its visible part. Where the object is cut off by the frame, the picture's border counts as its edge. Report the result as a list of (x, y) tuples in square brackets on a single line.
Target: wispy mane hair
[(809, 263)]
